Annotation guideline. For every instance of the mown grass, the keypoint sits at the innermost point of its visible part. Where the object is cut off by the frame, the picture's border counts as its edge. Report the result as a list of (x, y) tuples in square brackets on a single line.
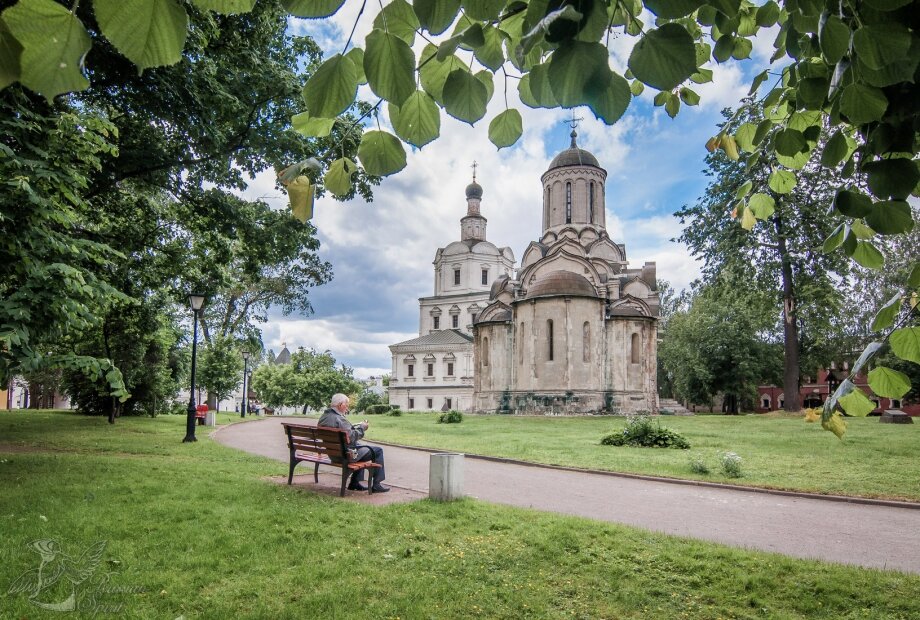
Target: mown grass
[(199, 530), (782, 452)]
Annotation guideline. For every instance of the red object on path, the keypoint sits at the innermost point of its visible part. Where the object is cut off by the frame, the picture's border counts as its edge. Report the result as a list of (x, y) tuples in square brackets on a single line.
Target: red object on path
[(200, 411)]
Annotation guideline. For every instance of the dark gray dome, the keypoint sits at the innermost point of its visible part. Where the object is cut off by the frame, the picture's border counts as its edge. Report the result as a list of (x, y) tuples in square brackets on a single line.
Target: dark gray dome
[(474, 190), (561, 283), (574, 156)]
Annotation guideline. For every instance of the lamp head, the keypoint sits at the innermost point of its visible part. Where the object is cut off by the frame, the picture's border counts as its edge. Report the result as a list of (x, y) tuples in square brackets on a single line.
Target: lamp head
[(245, 353), (195, 301)]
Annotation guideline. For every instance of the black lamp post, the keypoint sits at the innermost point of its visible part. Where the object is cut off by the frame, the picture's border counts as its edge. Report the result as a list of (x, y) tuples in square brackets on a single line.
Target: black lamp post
[(245, 404), (833, 382), (195, 301)]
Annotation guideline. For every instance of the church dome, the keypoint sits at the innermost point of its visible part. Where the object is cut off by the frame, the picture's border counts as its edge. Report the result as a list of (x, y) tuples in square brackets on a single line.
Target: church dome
[(473, 190), (561, 283), (574, 156)]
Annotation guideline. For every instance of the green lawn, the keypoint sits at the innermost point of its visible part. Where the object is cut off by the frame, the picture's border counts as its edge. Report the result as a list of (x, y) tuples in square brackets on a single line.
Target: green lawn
[(199, 530), (874, 460)]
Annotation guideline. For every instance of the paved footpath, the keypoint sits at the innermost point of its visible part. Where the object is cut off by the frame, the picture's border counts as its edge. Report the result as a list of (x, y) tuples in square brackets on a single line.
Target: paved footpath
[(876, 536)]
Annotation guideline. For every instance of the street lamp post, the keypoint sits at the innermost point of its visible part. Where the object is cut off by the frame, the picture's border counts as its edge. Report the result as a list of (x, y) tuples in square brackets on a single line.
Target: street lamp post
[(195, 301), (245, 404)]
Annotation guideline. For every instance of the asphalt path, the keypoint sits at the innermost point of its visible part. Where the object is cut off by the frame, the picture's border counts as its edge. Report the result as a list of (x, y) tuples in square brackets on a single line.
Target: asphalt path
[(869, 535)]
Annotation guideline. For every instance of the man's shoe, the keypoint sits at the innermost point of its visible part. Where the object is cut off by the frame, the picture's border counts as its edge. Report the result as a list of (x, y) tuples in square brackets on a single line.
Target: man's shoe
[(379, 488), (356, 486)]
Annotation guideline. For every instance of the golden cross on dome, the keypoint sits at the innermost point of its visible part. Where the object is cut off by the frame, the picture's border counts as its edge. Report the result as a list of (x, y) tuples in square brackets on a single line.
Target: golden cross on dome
[(474, 170)]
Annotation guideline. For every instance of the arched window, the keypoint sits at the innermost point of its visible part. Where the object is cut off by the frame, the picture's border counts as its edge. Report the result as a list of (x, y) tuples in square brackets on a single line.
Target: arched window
[(549, 340), (521, 344), (586, 342), (485, 351), (765, 403), (634, 353), (568, 203), (591, 203), (546, 210)]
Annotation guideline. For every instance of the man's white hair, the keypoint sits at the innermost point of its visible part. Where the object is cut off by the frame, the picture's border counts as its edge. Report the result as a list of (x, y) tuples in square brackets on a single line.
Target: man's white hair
[(338, 399)]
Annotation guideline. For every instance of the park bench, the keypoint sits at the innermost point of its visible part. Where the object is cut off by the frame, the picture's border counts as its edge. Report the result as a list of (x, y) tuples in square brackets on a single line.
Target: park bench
[(322, 445)]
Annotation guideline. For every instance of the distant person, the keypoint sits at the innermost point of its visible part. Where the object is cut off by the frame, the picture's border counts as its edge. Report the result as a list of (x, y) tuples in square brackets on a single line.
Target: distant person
[(334, 417)]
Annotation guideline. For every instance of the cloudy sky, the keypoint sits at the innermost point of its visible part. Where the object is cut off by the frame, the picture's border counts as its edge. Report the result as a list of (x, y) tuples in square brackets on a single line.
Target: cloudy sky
[(382, 251)]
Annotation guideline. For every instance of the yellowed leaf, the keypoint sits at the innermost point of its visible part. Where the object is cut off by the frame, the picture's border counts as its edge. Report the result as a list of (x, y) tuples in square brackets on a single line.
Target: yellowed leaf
[(812, 415), (712, 144), (836, 425), (730, 147), (301, 193), (747, 219)]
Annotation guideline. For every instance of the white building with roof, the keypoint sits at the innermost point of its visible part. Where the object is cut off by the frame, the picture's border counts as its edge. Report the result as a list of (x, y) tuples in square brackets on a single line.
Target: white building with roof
[(435, 370)]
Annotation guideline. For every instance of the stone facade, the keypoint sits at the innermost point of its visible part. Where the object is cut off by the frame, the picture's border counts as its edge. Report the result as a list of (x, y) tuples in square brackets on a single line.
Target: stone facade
[(574, 330), (435, 370)]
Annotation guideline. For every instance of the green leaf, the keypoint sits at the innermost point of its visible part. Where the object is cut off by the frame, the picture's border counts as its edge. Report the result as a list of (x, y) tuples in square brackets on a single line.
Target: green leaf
[(53, 42), (892, 178), (782, 181), (729, 8), (332, 88), (390, 66), (610, 104), (744, 136), (506, 128), (868, 256), (863, 104), (887, 5), (10, 51), (836, 238), (418, 120), (465, 96), (436, 15), (664, 58), (836, 150), (885, 317), (880, 44), (226, 7), (488, 80), (905, 343), (744, 189), (483, 10), (561, 19), (490, 54), (913, 280), (311, 127), (762, 205), (813, 92), (759, 79), (525, 93), (834, 39), (852, 203), (861, 230), (768, 14), (636, 88), (381, 153), (724, 48), (578, 71), (398, 19), (742, 48), (672, 9), (789, 142), (338, 178), (433, 73), (763, 128), (150, 33), (890, 217), (356, 54), (857, 404), (540, 88), (312, 8), (672, 105), (301, 194), (472, 36), (702, 76), (691, 98), (888, 383)]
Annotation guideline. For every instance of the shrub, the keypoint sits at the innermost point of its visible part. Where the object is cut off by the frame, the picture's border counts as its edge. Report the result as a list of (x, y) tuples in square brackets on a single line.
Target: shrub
[(395, 412), (366, 400), (450, 417), (731, 464), (698, 465), (641, 431), (394, 407), (377, 409)]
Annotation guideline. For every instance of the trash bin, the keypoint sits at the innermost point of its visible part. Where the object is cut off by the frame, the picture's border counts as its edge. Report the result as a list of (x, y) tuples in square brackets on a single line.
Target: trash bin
[(445, 477)]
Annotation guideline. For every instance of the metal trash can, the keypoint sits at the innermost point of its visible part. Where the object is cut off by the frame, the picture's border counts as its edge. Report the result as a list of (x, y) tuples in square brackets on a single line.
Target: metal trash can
[(445, 477)]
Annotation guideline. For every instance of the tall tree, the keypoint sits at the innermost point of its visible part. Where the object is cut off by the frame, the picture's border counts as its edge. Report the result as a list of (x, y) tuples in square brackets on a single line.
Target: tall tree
[(309, 380), (780, 251)]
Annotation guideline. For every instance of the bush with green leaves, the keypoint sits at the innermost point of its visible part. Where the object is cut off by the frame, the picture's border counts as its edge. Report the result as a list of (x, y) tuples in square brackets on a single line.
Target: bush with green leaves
[(698, 465), (643, 432), (367, 399), (395, 412), (377, 409), (450, 417), (731, 464)]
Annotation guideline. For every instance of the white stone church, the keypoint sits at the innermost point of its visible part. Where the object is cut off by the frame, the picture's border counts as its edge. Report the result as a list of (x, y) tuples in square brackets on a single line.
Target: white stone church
[(573, 330)]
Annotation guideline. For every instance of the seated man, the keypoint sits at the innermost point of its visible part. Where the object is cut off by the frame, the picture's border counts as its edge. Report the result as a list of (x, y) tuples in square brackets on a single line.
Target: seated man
[(334, 417)]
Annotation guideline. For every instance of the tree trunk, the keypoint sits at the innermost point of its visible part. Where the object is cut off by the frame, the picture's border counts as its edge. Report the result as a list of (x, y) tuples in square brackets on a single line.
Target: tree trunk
[(791, 370), (212, 401)]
